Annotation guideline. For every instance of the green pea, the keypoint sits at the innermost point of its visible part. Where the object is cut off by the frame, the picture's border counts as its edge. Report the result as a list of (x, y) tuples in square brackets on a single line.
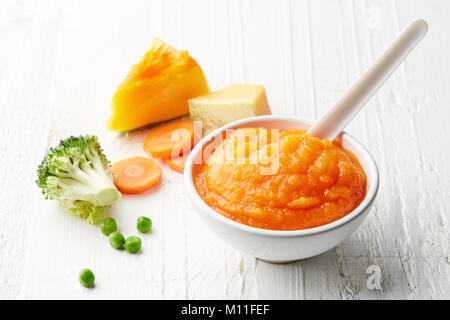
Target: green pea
[(144, 224), (133, 244), (116, 239), (86, 278), (108, 226)]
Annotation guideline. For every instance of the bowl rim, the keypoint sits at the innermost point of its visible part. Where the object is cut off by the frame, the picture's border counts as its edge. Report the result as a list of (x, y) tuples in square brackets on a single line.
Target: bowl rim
[(201, 204)]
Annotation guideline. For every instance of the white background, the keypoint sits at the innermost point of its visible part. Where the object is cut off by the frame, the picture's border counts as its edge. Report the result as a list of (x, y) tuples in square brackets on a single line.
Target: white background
[(60, 63)]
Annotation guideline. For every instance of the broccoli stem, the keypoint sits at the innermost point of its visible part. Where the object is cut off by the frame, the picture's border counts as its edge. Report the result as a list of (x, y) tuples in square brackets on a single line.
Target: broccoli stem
[(90, 185), (107, 196), (103, 190)]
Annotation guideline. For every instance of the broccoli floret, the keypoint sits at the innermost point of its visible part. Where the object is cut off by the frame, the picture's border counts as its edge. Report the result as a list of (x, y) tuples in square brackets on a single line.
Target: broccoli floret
[(76, 174)]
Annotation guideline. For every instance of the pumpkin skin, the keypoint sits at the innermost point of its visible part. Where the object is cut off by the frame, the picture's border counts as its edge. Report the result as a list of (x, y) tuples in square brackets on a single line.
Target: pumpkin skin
[(157, 88)]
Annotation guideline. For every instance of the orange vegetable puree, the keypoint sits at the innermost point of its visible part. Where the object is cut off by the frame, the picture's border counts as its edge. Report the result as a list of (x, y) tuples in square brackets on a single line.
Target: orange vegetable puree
[(284, 180)]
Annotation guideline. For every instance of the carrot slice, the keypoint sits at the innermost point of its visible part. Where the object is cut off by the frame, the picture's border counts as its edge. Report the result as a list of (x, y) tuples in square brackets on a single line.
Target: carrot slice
[(177, 164), (170, 139), (135, 175)]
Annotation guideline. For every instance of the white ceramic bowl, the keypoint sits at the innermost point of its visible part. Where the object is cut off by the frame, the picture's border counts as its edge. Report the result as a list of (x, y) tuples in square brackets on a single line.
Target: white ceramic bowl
[(283, 246)]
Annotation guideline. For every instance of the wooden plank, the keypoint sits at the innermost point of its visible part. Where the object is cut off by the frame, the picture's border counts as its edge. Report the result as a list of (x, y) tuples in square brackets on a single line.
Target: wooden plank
[(423, 186), (26, 99)]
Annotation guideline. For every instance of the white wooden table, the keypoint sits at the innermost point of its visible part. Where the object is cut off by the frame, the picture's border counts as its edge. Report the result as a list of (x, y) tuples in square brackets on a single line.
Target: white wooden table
[(60, 63)]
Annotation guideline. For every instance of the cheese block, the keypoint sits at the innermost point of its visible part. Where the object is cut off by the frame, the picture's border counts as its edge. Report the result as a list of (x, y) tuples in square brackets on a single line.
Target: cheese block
[(232, 103)]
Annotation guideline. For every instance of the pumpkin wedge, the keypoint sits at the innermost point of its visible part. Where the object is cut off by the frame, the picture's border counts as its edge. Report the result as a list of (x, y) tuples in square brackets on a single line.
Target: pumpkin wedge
[(157, 88)]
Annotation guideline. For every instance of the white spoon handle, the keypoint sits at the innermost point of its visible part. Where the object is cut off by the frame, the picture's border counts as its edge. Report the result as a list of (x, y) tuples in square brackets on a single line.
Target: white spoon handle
[(337, 117)]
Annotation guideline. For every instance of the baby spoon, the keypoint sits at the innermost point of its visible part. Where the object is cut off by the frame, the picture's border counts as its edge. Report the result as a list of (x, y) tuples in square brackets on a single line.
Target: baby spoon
[(339, 115)]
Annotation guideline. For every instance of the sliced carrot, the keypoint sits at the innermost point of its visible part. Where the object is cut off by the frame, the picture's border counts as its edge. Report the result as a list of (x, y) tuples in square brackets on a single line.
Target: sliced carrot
[(170, 139), (135, 175), (177, 164)]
